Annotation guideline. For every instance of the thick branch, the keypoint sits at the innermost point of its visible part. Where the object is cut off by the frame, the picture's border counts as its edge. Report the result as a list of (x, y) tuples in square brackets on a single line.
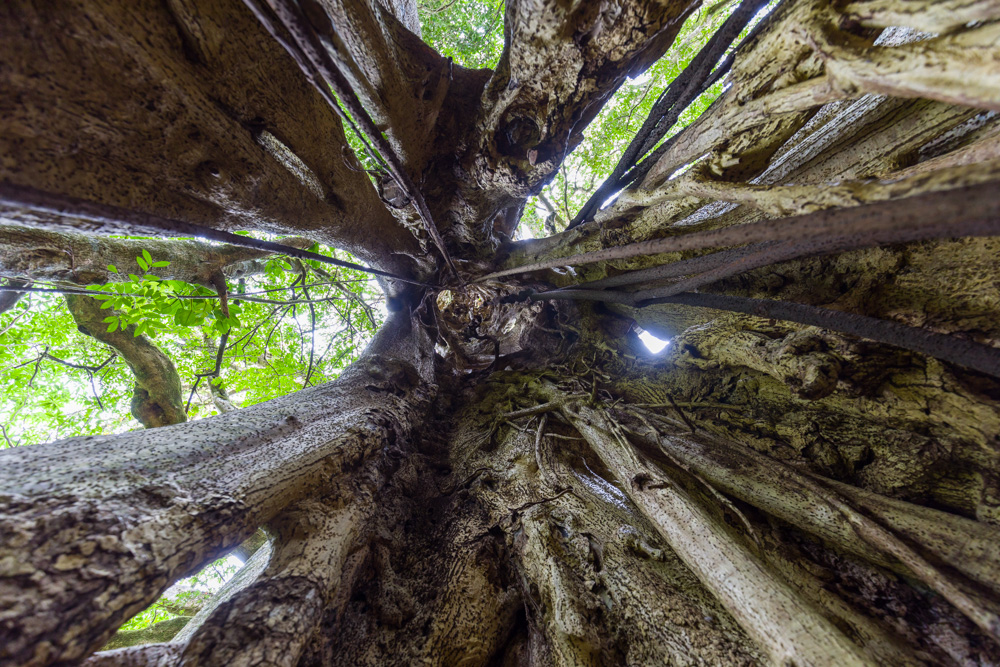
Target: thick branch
[(274, 618), (38, 254), (561, 64), (683, 90), (401, 81), (156, 397), (53, 211), (164, 502), (157, 107)]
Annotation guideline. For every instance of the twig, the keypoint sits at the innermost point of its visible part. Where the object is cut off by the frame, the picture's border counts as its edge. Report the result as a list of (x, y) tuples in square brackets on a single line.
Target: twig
[(536, 410), (680, 412), (312, 330), (517, 510), (220, 287)]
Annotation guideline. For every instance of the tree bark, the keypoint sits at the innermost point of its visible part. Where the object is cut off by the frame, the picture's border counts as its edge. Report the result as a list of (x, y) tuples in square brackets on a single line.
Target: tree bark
[(83, 260), (159, 522), (156, 397), (161, 111), (502, 481)]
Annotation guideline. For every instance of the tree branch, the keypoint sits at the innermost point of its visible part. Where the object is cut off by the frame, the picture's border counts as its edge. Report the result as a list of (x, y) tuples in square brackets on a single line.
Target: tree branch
[(41, 255), (156, 397), (162, 517), (106, 219), (302, 576), (561, 63), (268, 154), (310, 43)]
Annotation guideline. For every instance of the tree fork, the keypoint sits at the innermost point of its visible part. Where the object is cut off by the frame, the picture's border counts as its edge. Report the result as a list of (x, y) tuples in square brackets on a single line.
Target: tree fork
[(119, 544)]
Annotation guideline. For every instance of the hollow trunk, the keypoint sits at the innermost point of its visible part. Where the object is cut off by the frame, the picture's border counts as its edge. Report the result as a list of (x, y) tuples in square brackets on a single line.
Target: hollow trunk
[(505, 477)]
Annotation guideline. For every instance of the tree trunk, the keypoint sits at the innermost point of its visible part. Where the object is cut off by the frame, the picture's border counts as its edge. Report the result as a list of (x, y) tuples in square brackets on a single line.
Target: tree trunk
[(507, 477)]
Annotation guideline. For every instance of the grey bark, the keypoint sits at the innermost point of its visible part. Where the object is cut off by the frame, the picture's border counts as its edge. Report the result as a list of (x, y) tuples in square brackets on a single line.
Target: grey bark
[(40, 255), (501, 482)]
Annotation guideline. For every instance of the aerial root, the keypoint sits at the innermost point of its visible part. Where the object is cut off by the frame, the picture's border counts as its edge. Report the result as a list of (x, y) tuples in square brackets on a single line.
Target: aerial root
[(881, 534), (830, 514), (788, 627)]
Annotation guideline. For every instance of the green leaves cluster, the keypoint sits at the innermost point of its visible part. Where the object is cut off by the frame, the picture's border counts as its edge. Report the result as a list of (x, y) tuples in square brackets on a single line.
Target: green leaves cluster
[(185, 593), (145, 300), (469, 31), (267, 354)]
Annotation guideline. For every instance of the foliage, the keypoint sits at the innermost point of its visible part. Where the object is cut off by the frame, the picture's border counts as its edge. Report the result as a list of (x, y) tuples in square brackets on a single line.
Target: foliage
[(268, 351), (469, 31), (185, 593)]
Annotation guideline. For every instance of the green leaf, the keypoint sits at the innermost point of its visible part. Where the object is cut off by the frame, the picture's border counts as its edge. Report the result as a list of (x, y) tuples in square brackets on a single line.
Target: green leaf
[(134, 277), (107, 304), (142, 264), (147, 257), (160, 264), (112, 268), (114, 326)]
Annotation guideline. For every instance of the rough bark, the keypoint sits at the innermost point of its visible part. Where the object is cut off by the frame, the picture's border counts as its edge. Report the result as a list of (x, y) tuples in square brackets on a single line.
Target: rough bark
[(161, 111), (502, 481), (156, 397), (36, 254), (159, 518), (560, 65)]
